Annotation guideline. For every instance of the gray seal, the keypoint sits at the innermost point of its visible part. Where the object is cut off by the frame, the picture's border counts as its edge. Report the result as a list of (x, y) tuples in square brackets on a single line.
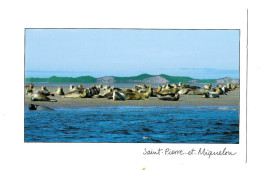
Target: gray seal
[(168, 97), (38, 107)]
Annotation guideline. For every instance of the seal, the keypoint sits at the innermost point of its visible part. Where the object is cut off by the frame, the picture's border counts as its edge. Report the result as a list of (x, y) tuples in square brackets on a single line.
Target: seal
[(59, 91), (225, 89), (118, 96), (174, 97), (169, 91), (220, 91), (210, 95), (208, 86), (229, 86), (29, 88), (132, 95), (41, 97), (184, 91), (38, 107), (45, 92), (78, 94), (72, 87), (199, 91), (174, 85), (168, 86)]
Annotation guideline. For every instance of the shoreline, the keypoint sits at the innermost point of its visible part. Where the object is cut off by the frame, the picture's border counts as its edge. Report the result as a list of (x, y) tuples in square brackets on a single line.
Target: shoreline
[(231, 99)]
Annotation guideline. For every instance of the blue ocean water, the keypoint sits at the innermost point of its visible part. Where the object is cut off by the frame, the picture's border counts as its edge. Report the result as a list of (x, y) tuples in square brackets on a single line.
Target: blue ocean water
[(132, 124)]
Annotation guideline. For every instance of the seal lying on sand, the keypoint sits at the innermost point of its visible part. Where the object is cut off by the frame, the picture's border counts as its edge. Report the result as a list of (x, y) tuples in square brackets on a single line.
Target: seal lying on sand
[(78, 94), (41, 97), (184, 91), (38, 107), (200, 91), (168, 91), (133, 95), (118, 96), (175, 97), (210, 95)]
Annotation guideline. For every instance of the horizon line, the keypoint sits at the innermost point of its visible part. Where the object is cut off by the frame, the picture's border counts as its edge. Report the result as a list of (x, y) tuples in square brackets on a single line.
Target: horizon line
[(131, 76)]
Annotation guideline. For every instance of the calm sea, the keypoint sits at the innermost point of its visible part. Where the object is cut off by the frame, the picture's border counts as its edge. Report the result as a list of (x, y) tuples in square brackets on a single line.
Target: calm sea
[(124, 124)]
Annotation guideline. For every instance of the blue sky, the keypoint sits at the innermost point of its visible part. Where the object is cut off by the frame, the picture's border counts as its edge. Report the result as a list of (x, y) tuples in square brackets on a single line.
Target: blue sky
[(130, 52)]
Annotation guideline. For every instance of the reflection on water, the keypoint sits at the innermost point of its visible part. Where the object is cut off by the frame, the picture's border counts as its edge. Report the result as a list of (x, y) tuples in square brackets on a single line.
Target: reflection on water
[(133, 124)]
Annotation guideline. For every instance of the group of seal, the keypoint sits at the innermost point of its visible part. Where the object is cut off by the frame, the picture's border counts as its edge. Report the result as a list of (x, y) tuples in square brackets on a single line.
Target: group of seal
[(170, 92)]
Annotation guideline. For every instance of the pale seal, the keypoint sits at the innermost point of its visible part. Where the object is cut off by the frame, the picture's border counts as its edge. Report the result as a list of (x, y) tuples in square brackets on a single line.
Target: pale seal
[(210, 95), (59, 91), (78, 94), (41, 97), (184, 91), (208, 86)]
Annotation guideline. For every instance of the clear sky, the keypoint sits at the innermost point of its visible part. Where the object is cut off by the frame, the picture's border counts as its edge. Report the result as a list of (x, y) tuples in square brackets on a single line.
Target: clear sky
[(130, 52)]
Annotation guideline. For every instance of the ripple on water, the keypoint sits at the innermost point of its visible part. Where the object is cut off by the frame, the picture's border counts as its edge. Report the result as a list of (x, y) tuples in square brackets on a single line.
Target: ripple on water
[(171, 124)]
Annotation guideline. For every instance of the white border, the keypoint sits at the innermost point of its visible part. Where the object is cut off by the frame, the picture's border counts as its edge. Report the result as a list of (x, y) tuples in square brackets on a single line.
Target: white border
[(14, 153)]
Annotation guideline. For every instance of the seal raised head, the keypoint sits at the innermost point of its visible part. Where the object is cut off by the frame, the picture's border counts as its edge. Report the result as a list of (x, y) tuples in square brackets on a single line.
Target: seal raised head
[(59, 91)]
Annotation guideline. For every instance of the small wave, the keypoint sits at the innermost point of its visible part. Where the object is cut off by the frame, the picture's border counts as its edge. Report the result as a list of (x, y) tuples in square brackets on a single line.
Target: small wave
[(231, 132), (151, 139), (234, 124)]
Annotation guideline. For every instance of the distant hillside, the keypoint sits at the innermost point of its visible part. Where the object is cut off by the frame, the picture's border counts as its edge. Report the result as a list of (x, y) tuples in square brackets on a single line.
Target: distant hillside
[(143, 78)]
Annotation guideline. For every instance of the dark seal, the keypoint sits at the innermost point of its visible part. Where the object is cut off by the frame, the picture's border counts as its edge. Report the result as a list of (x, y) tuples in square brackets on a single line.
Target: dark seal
[(38, 107)]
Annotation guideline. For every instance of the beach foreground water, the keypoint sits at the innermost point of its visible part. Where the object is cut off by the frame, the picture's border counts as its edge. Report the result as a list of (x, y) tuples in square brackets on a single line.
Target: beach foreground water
[(192, 119), (124, 124)]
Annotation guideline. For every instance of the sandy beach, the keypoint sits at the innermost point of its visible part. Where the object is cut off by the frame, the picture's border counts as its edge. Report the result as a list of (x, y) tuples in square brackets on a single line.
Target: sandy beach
[(231, 99)]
